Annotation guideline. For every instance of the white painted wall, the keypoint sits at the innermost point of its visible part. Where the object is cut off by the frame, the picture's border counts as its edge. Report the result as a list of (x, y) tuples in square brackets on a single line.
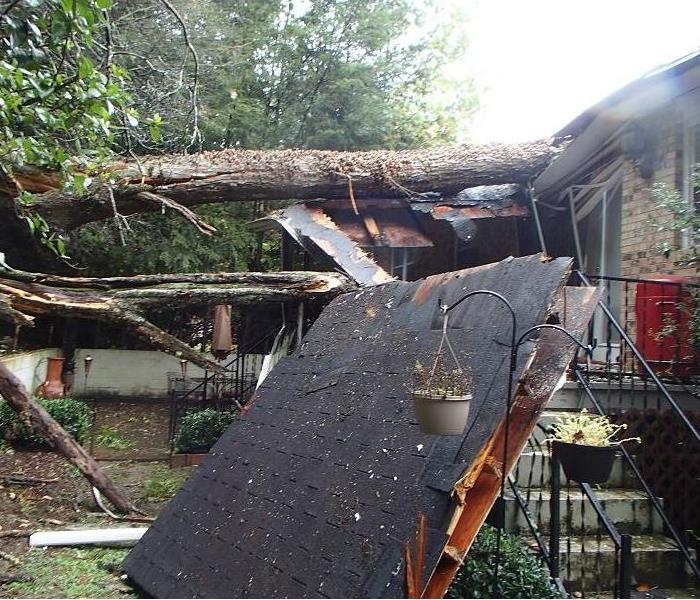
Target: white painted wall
[(30, 367), (135, 373)]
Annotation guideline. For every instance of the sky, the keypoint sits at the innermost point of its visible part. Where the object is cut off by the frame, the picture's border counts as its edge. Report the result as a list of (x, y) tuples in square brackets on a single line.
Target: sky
[(537, 64)]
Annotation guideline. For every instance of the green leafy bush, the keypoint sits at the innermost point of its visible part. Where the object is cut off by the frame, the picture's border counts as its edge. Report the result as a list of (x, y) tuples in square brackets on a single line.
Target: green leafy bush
[(520, 574), (200, 429), (73, 415)]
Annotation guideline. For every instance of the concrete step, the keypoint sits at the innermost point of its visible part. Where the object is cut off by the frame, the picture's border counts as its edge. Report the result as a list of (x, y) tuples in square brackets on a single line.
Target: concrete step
[(534, 469), (588, 563), (630, 510), (616, 396)]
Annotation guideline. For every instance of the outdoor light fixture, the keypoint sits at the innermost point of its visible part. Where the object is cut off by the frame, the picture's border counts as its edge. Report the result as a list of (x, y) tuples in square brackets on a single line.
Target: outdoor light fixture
[(183, 368), (87, 361), (514, 348)]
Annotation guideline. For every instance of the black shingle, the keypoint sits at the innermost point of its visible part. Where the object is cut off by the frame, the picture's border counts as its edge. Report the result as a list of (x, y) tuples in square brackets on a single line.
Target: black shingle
[(313, 492)]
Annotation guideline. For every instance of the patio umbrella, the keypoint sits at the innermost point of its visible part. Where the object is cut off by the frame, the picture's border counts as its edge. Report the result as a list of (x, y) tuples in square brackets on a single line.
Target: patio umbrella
[(222, 343)]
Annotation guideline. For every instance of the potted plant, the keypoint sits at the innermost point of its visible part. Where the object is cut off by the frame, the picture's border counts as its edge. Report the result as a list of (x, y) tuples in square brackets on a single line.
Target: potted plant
[(199, 431), (586, 445), (442, 398)]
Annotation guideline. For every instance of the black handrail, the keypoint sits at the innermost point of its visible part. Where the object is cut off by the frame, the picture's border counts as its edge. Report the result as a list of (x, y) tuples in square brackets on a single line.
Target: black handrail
[(647, 488), (622, 542), (642, 361), (638, 280), (228, 366), (522, 504)]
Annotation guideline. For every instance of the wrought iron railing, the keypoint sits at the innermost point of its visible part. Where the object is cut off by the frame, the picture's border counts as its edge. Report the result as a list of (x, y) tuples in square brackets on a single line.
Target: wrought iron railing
[(572, 544), (225, 390), (649, 386)]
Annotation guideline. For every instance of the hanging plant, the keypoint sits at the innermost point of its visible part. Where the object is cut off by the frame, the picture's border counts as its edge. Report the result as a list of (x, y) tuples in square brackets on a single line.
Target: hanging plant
[(442, 397), (586, 445)]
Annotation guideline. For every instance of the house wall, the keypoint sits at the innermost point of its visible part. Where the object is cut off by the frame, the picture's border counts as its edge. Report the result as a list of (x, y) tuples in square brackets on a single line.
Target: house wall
[(136, 373), (114, 373), (640, 238), (30, 367)]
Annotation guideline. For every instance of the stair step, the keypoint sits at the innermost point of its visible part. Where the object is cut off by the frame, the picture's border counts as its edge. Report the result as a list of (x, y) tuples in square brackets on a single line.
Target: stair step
[(630, 510), (534, 470), (588, 563), (615, 397)]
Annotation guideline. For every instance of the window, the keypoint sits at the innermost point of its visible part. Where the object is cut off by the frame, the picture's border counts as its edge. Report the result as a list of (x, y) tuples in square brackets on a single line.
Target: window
[(691, 159)]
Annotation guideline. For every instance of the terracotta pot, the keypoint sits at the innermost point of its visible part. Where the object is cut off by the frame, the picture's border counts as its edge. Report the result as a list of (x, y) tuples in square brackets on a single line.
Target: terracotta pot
[(441, 415), (585, 464), (53, 385)]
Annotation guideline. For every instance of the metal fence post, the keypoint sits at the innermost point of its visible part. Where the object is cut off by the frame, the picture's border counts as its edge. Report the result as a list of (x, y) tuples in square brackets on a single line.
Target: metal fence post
[(625, 582), (554, 514)]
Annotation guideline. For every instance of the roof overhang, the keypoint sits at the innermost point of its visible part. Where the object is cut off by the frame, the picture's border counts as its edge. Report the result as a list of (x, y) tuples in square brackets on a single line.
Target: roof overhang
[(596, 131)]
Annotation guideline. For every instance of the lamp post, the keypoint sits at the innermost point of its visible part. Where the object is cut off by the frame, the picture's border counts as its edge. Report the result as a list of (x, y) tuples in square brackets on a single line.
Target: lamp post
[(87, 365), (514, 349)]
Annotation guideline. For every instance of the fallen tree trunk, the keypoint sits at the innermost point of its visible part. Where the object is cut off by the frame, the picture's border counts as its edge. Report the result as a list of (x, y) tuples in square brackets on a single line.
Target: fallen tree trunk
[(37, 420), (123, 300), (179, 181)]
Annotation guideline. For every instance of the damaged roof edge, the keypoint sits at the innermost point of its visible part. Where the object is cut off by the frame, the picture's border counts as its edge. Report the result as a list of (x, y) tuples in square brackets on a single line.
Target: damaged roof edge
[(312, 226)]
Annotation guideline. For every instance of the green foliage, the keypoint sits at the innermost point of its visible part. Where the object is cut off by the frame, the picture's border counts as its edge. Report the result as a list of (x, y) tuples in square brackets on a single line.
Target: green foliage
[(56, 103), (108, 437), (201, 429), (520, 574), (73, 415), (61, 105), (683, 220), (164, 484), (81, 79), (72, 573), (166, 244)]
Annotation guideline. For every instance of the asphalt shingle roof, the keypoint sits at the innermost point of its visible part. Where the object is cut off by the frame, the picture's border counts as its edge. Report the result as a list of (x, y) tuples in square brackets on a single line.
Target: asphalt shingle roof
[(314, 490)]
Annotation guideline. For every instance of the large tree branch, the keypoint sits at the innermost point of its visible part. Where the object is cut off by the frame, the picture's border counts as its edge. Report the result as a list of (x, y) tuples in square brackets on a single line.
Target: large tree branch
[(124, 300), (236, 175)]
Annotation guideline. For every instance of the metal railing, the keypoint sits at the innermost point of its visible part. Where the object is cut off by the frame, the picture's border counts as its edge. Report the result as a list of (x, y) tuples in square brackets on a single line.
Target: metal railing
[(566, 540), (225, 390), (647, 386)]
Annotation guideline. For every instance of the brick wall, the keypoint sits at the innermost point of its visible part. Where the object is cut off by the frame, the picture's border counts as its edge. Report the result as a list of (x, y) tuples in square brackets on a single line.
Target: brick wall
[(640, 238)]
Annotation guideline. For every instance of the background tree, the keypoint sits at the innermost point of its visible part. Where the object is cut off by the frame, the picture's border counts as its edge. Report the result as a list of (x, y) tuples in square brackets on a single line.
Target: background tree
[(166, 75)]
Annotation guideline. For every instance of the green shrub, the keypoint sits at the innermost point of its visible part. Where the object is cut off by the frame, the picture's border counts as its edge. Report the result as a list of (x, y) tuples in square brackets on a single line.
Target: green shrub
[(73, 415), (200, 429), (520, 574)]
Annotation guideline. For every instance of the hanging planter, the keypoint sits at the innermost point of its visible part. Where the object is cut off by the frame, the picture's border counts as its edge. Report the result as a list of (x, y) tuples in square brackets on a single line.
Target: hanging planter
[(585, 464), (586, 447), (442, 397)]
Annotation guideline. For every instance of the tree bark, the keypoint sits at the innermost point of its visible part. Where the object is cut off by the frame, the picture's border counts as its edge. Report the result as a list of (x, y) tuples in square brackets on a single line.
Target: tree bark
[(123, 300), (178, 181), (37, 420)]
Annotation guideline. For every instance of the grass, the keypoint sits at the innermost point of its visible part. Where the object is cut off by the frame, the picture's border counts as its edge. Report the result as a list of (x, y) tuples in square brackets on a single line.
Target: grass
[(164, 483), (72, 573), (108, 437)]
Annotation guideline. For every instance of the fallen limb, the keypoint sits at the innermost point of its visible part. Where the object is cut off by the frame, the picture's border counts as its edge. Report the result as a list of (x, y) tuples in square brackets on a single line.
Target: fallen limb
[(35, 418), (24, 480), (14, 533), (123, 300)]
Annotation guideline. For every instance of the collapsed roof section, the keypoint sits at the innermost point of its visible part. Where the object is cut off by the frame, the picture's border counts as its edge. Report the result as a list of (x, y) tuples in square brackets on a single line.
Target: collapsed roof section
[(315, 489), (350, 231)]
